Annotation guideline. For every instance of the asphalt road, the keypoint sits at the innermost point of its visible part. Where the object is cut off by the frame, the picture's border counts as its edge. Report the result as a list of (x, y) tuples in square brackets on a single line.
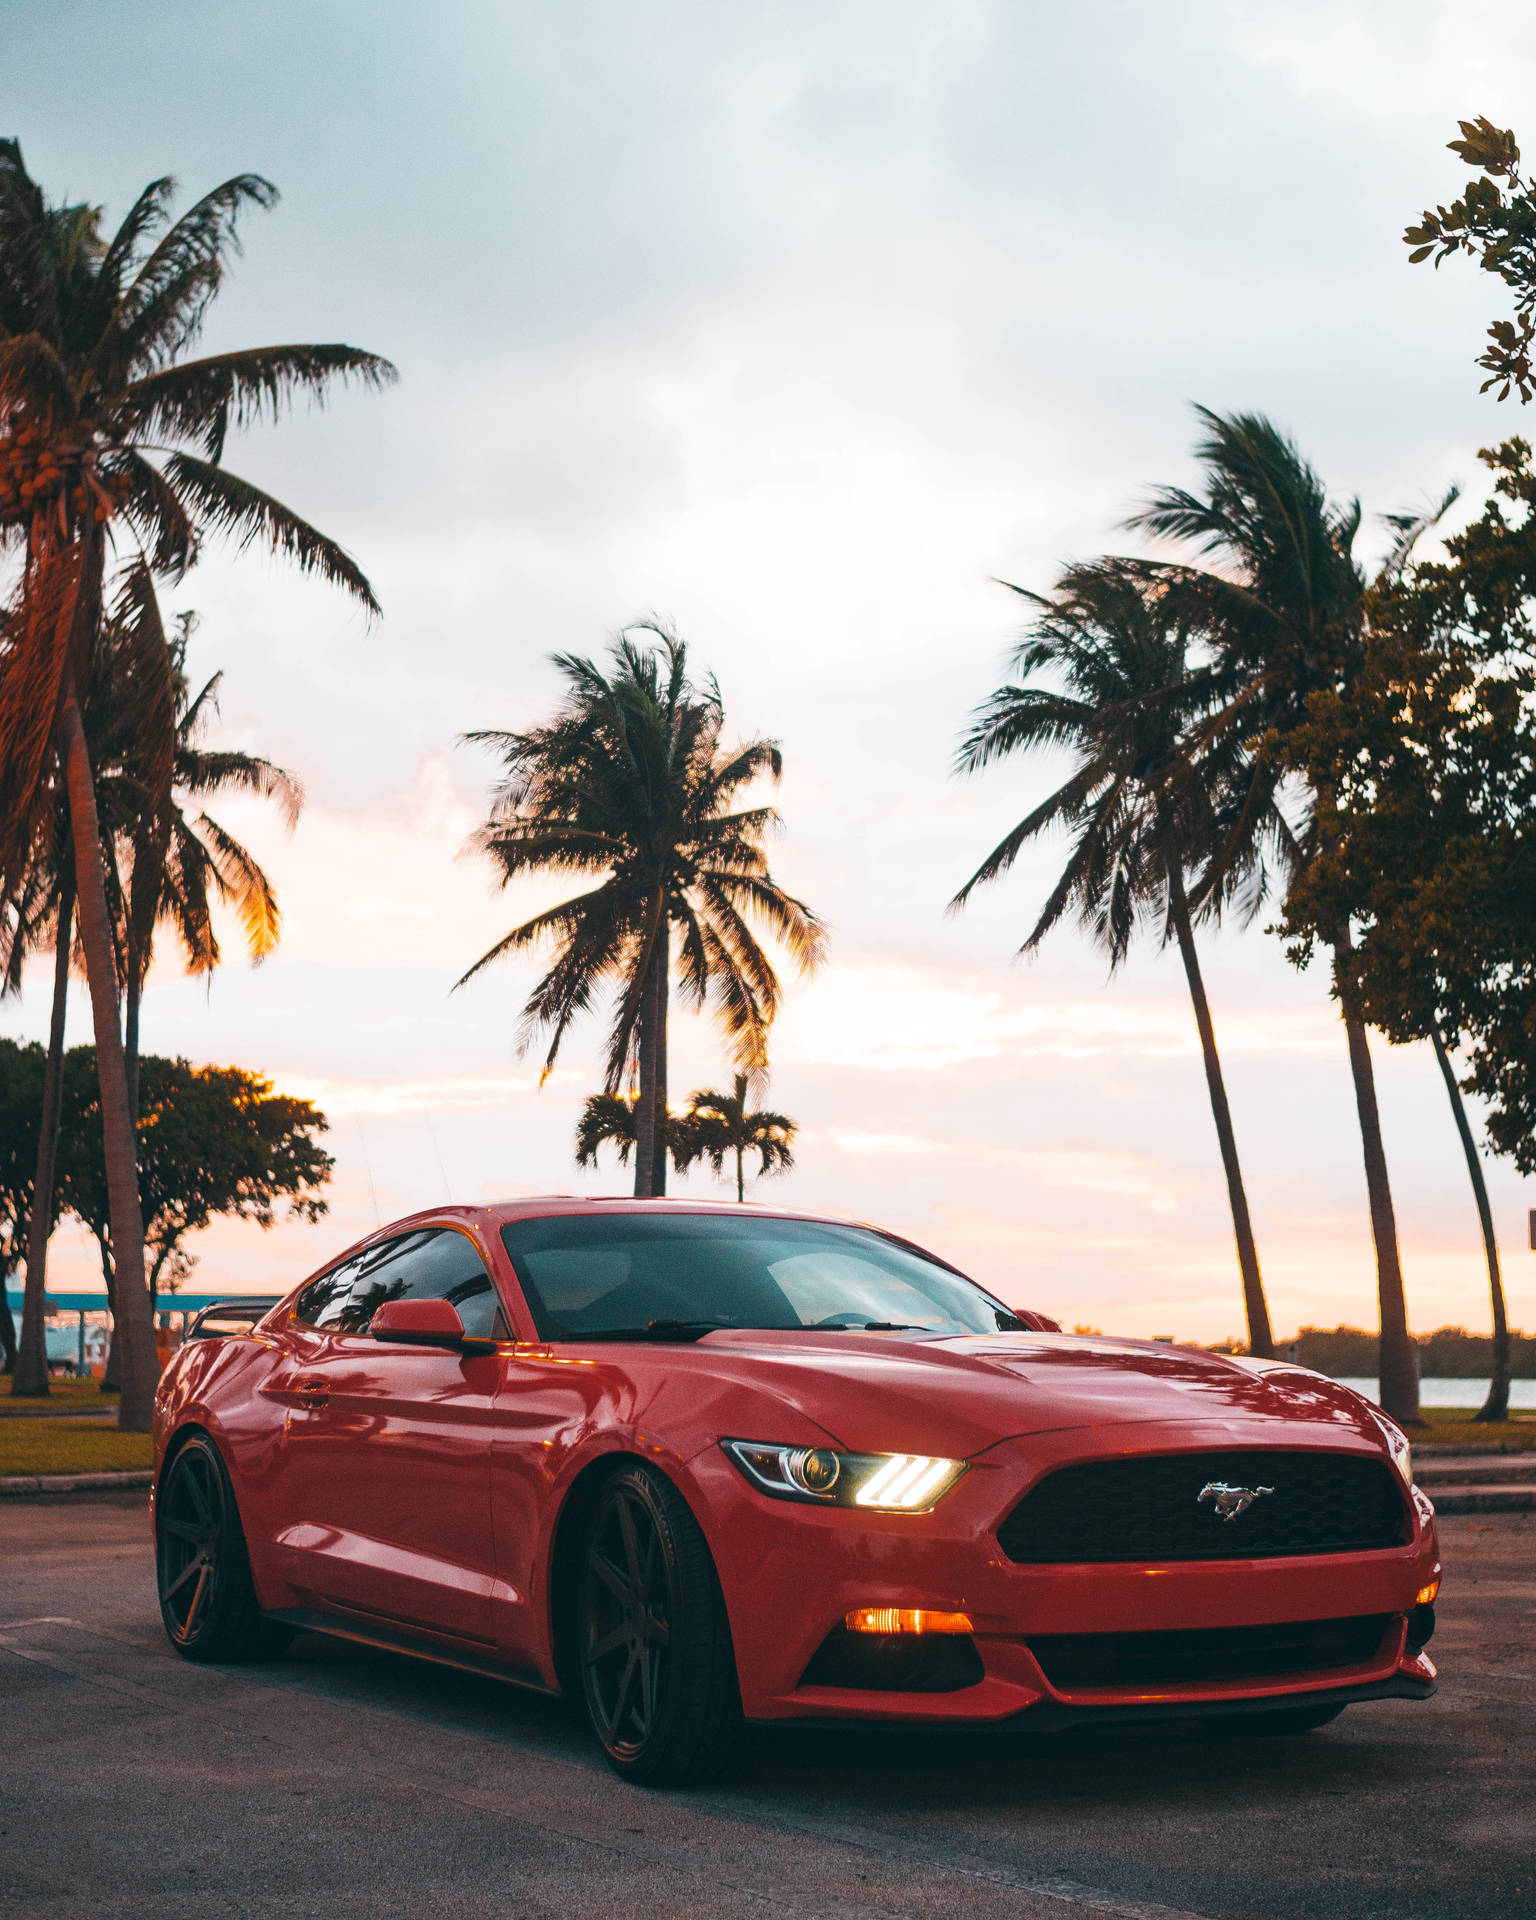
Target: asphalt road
[(339, 1783)]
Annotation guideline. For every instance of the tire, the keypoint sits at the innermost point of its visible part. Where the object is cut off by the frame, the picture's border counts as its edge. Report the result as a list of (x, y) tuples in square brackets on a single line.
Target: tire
[(207, 1599), (658, 1673), (1290, 1720)]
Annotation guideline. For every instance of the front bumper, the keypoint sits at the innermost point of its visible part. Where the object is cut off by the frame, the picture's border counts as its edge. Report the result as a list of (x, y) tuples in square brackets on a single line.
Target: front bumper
[(791, 1572)]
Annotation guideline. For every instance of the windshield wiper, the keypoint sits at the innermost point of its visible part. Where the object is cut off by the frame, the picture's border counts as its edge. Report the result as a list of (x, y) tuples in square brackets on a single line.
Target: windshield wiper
[(887, 1326), (652, 1330)]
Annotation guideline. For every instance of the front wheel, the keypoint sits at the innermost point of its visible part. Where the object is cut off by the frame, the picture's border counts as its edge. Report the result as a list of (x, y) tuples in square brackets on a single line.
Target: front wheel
[(657, 1668), (207, 1598)]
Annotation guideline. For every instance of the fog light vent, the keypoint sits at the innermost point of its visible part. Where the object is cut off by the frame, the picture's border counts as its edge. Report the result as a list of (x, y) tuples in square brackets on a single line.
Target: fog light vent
[(895, 1662)]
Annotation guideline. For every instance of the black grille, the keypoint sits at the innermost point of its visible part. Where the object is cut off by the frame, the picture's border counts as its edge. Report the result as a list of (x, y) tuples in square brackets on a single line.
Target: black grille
[(1148, 1507), (1208, 1653)]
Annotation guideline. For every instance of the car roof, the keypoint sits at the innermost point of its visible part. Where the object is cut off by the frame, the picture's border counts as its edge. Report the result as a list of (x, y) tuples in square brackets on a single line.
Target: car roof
[(541, 1206), (491, 1215)]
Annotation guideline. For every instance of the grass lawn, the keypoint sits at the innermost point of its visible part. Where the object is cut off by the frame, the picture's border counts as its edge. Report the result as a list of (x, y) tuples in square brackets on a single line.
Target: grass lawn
[(64, 1396), (56, 1446), (1452, 1427)]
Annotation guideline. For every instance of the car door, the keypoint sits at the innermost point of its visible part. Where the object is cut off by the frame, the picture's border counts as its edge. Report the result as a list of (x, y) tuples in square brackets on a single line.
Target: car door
[(385, 1469)]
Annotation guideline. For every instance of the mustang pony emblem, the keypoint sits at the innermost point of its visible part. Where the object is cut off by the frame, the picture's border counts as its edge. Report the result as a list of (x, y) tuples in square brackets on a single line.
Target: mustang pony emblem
[(1229, 1502)]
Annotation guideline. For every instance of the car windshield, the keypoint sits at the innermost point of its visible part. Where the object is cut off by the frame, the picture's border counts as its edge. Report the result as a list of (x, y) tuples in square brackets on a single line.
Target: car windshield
[(664, 1275)]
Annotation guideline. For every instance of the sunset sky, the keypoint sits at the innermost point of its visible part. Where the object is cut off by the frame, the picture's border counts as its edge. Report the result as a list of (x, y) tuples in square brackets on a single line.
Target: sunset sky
[(797, 325)]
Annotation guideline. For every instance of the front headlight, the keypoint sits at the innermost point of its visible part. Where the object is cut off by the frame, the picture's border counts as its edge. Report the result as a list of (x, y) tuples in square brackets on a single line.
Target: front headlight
[(1399, 1446), (1402, 1457), (880, 1482)]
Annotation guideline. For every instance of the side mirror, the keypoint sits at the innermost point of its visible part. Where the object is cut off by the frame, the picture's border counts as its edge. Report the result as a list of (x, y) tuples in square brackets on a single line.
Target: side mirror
[(420, 1323)]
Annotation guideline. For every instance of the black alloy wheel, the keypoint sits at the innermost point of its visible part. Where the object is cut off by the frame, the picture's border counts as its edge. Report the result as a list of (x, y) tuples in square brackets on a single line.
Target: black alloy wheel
[(207, 1599), (657, 1669)]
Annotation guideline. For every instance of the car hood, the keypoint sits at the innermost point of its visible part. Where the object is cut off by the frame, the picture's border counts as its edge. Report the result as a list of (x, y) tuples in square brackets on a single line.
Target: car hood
[(959, 1395)]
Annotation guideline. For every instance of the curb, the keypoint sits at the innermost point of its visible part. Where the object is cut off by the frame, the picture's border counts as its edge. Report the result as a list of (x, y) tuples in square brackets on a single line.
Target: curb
[(1484, 1499), (21, 1484)]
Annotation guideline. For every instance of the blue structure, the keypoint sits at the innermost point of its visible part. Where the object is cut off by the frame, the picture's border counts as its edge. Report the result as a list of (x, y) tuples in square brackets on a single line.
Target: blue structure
[(67, 1344)]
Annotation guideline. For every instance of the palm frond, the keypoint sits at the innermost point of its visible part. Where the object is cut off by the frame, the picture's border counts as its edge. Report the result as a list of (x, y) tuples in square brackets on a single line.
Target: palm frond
[(222, 503), (199, 400)]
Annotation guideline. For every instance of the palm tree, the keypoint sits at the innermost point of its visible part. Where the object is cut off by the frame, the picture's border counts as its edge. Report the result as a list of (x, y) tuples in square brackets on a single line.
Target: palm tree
[(1495, 1407), (724, 1127), (122, 726), (608, 1120), (1121, 696), (1284, 612), (43, 918), (180, 862), (630, 784), (111, 434)]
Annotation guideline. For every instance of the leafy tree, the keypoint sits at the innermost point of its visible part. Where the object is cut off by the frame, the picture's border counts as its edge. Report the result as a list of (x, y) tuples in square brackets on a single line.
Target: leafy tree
[(111, 435), (215, 1142), (631, 784), (1427, 846), (1284, 613), (1105, 674), (724, 1128), (1494, 222)]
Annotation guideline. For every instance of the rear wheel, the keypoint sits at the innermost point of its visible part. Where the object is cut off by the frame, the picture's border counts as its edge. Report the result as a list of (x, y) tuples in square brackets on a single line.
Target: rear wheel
[(207, 1599), (657, 1669)]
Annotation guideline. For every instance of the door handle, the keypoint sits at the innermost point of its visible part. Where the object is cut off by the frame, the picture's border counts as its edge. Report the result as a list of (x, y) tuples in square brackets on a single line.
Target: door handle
[(315, 1391)]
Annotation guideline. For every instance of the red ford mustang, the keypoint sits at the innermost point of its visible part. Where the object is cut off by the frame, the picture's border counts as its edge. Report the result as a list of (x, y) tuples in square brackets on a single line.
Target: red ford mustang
[(711, 1466)]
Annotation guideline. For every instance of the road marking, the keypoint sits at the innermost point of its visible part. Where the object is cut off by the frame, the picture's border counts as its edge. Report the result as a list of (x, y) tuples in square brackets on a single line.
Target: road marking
[(757, 1813)]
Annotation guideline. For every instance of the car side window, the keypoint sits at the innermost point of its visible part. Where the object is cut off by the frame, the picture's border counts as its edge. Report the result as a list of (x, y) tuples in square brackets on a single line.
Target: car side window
[(435, 1263), (323, 1301)]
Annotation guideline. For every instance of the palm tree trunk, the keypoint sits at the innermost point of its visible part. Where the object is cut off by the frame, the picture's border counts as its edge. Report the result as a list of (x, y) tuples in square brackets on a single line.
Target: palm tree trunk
[(1398, 1366), (1261, 1340), (7, 1327), (741, 1174), (112, 1368), (651, 1107), (133, 1314), (31, 1374), (1496, 1406), (131, 998)]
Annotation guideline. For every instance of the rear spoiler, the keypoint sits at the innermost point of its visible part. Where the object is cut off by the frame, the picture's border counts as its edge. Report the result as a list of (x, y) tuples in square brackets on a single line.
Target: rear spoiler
[(234, 1315)]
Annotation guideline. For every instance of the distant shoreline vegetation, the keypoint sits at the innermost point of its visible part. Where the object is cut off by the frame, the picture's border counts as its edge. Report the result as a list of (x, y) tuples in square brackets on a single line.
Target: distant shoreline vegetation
[(1449, 1353)]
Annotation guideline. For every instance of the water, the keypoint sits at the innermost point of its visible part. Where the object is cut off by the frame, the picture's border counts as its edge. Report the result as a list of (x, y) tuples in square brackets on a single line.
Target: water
[(1455, 1393)]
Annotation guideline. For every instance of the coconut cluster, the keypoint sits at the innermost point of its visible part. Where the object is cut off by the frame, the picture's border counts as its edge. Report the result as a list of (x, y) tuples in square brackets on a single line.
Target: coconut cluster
[(39, 471)]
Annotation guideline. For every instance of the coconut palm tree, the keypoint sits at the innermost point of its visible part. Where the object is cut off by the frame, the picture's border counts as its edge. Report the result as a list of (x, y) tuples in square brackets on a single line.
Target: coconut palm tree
[(725, 1128), (112, 437), (1284, 612), (1104, 673), (631, 785)]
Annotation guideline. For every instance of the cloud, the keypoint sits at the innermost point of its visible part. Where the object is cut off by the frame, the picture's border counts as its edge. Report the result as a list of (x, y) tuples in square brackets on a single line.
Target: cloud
[(1045, 1168), (894, 1018)]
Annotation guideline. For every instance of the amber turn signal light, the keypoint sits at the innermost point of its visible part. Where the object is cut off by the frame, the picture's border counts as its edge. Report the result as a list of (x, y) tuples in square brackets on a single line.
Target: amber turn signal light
[(905, 1620), (1427, 1594)]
